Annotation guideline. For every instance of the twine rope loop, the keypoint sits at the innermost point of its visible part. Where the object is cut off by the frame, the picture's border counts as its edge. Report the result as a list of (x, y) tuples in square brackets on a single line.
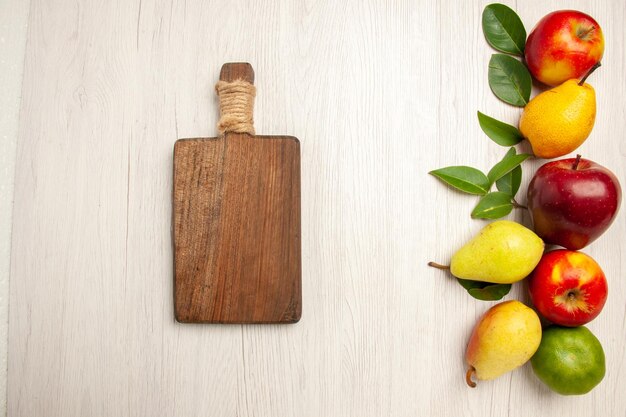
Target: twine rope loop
[(236, 106)]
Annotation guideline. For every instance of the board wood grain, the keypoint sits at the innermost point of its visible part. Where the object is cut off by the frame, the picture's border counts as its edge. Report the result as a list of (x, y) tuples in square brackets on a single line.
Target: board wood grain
[(236, 205)]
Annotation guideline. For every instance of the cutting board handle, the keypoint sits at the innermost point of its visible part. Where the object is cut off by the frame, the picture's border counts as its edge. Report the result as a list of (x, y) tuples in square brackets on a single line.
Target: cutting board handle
[(236, 92), (232, 71)]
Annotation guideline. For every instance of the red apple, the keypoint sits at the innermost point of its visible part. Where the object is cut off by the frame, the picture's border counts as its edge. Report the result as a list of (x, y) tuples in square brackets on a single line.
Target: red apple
[(568, 287), (573, 201), (564, 44)]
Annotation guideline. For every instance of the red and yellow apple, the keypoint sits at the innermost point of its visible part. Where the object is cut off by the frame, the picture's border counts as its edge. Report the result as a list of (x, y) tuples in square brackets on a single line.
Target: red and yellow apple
[(564, 44), (568, 287)]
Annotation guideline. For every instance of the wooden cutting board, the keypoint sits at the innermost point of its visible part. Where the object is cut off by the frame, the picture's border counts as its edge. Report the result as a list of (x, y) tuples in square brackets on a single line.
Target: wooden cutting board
[(236, 213)]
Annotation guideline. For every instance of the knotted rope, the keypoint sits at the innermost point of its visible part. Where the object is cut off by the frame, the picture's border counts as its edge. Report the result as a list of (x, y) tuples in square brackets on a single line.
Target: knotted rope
[(236, 106)]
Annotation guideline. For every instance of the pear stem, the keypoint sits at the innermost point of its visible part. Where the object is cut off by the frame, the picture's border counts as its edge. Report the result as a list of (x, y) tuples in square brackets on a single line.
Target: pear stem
[(576, 162), (438, 266), (582, 33), (468, 376), (595, 67)]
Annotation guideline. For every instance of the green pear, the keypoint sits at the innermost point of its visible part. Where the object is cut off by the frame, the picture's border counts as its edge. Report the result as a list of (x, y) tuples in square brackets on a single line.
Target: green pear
[(502, 253), (505, 338)]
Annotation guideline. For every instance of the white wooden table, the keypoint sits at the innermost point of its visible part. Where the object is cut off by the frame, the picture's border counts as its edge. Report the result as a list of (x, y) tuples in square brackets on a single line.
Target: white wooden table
[(379, 93)]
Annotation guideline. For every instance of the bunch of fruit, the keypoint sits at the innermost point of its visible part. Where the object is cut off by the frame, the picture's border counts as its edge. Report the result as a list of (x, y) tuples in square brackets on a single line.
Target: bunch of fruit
[(571, 203)]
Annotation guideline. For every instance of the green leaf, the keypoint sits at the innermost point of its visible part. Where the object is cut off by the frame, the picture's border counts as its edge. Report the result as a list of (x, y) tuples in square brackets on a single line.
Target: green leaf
[(501, 133), (466, 179), (510, 182), (509, 80), (504, 29), (506, 165), (468, 284), (493, 206), (490, 292), (485, 291)]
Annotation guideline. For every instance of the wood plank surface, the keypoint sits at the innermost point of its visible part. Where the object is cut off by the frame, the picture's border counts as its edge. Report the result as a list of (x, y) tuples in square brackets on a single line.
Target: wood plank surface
[(379, 93), (237, 229), (13, 25)]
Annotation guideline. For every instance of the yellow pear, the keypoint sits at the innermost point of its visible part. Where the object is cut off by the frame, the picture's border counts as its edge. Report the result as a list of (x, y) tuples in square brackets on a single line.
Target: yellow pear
[(503, 252), (558, 121), (505, 338)]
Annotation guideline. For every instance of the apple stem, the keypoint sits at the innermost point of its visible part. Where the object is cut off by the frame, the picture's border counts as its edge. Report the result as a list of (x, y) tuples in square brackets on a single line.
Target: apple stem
[(595, 67), (468, 376), (438, 266), (518, 205), (576, 162)]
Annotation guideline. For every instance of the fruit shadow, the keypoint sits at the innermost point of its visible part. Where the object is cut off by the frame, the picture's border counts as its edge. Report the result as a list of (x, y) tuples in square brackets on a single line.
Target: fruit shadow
[(538, 387), (524, 147), (538, 87)]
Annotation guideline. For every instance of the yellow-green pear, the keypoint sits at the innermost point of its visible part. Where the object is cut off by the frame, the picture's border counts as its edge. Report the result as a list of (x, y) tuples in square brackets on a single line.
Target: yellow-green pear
[(505, 338), (503, 252)]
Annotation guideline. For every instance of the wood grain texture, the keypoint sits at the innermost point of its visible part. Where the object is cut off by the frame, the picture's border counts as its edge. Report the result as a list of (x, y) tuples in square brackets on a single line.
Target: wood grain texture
[(237, 229), (13, 21), (236, 204), (379, 93)]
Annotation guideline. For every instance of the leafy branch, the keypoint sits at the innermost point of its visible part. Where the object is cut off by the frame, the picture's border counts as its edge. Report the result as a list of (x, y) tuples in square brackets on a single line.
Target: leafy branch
[(506, 174)]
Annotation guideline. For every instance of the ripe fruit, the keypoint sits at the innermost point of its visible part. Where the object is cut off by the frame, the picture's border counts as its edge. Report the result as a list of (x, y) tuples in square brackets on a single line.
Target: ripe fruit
[(505, 338), (573, 201), (569, 360), (568, 288), (559, 120), (503, 252), (564, 44)]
